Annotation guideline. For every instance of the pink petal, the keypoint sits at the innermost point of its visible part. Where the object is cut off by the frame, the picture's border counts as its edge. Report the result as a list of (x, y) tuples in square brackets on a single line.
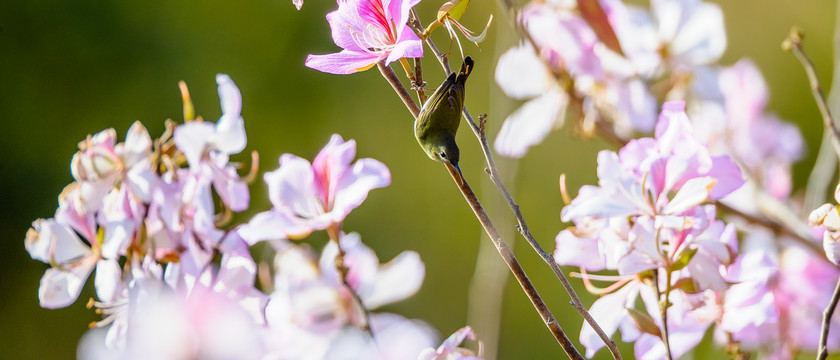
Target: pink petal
[(293, 187), (408, 46), (728, 175), (353, 188), (344, 62)]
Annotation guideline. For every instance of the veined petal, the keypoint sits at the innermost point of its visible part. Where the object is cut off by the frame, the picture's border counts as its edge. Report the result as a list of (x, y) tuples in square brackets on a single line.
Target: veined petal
[(407, 46), (531, 123), (330, 165), (341, 63), (521, 74)]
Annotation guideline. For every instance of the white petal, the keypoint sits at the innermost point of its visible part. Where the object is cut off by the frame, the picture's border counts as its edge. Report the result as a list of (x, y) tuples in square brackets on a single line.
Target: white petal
[(60, 288), (396, 280), (521, 74), (108, 280), (192, 139), (531, 123), (702, 39), (271, 225), (692, 193)]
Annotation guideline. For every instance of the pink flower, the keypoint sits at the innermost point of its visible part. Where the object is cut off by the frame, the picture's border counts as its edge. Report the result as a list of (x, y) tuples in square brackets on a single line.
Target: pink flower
[(449, 349), (309, 197), (640, 178), (368, 31)]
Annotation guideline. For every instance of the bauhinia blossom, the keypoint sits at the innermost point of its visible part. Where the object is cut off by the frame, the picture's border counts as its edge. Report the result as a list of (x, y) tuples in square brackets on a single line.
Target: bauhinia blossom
[(314, 196), (648, 221), (368, 31)]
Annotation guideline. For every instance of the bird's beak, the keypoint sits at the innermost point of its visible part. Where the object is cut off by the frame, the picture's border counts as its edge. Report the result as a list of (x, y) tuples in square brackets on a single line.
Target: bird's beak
[(459, 170)]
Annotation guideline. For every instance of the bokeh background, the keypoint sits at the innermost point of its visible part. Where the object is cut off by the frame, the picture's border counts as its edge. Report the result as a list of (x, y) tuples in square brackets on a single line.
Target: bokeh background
[(71, 68)]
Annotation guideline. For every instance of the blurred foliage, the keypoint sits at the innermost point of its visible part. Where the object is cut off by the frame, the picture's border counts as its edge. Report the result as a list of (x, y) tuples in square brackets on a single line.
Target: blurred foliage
[(70, 68)]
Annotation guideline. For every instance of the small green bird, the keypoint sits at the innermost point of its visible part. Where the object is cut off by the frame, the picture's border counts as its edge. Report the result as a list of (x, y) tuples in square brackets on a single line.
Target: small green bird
[(440, 116)]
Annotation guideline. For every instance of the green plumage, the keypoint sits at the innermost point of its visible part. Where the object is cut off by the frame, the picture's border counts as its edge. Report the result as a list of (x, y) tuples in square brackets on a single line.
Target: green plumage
[(440, 116)]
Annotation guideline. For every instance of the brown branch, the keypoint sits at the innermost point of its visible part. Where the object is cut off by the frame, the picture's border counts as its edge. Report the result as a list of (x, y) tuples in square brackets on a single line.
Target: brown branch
[(513, 264), (389, 75), (501, 246), (334, 232), (522, 227), (826, 323)]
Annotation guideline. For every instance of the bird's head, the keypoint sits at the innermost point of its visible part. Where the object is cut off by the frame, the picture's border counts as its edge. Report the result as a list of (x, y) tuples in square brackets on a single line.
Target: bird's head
[(444, 149)]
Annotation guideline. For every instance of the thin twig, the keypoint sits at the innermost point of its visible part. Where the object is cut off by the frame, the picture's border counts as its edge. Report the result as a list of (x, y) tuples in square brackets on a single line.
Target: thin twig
[(663, 311), (513, 265), (501, 246), (522, 227), (334, 234), (793, 43), (826, 323)]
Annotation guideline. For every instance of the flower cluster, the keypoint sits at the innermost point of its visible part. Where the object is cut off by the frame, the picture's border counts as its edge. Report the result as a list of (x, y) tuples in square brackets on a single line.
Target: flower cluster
[(567, 63), (648, 221), (143, 214)]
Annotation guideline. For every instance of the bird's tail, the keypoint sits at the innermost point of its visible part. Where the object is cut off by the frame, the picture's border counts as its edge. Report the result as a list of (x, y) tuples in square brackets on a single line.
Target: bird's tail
[(466, 69)]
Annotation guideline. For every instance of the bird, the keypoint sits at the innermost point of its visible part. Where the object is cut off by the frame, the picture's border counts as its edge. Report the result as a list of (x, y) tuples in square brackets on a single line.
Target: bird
[(438, 121)]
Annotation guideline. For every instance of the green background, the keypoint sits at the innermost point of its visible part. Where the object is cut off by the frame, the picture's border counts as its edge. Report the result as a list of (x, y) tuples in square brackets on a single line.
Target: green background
[(70, 68)]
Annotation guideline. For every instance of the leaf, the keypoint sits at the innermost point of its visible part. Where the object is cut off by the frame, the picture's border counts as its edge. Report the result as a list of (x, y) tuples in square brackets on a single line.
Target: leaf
[(595, 16), (686, 285), (644, 322), (683, 260), (455, 9)]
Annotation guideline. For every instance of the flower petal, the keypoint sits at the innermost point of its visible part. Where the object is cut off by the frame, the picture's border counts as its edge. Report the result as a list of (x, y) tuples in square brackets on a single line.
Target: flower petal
[(60, 288), (521, 74), (396, 280), (353, 188), (341, 63), (531, 123)]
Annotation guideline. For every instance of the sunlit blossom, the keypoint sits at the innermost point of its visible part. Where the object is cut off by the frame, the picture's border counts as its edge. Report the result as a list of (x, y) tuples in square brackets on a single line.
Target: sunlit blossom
[(368, 31)]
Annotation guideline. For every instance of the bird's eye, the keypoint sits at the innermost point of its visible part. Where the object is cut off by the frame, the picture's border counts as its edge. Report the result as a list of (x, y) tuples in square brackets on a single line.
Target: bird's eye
[(443, 155)]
